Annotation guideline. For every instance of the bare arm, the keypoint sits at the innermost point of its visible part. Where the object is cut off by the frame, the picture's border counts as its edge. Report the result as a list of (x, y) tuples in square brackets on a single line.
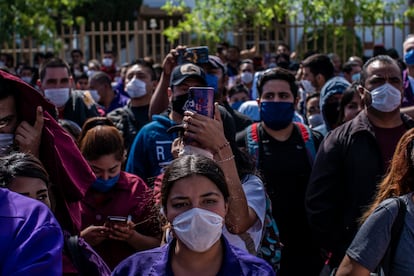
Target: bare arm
[(159, 100), (138, 241), (409, 110), (351, 268), (210, 135)]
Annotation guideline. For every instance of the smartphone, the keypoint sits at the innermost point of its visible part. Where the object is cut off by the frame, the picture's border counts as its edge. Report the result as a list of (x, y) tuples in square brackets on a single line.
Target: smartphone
[(201, 100), (111, 220), (196, 55)]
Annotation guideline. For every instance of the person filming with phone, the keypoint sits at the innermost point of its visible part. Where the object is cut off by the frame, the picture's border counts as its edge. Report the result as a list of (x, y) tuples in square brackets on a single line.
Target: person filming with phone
[(150, 151)]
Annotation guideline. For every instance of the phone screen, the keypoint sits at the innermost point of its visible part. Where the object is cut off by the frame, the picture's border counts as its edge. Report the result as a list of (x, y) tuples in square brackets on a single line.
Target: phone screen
[(201, 100), (111, 220)]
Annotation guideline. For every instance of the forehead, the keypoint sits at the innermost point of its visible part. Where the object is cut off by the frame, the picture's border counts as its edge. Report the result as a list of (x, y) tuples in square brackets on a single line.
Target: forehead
[(313, 101), (23, 184), (104, 162), (56, 73), (382, 69), (193, 186), (138, 69), (276, 86), (83, 80), (409, 44), (307, 70), (246, 66)]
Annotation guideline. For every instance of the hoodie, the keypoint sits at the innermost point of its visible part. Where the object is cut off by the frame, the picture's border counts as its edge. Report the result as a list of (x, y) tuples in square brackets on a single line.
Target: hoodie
[(69, 173)]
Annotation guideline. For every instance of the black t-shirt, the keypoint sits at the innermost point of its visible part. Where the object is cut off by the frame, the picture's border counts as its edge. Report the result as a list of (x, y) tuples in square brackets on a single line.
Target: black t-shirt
[(285, 168)]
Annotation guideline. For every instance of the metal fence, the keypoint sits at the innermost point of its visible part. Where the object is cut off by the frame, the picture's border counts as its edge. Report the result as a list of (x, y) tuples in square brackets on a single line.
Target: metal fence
[(145, 38)]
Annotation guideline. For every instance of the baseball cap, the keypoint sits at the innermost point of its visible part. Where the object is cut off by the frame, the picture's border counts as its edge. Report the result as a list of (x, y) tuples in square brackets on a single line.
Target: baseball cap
[(185, 71), (216, 62)]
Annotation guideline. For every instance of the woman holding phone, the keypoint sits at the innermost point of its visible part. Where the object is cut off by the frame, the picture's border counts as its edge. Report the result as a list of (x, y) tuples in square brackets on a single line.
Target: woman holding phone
[(118, 217), (194, 197)]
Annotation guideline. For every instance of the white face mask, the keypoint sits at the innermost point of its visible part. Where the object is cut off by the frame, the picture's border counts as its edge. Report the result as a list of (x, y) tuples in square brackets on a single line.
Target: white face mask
[(136, 88), (95, 95), (198, 229), (90, 73), (107, 62), (246, 77), (58, 96), (77, 73), (385, 98), (307, 86), (6, 143)]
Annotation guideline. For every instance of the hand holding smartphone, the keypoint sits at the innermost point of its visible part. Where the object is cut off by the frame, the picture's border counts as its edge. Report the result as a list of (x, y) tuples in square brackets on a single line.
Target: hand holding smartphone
[(118, 220)]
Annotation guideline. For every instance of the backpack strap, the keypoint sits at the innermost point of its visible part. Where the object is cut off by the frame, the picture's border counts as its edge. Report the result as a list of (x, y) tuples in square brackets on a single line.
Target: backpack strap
[(252, 141), (307, 137), (396, 230)]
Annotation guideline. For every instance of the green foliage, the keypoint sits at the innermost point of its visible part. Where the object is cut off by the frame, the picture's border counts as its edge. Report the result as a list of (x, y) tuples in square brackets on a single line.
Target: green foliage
[(37, 19), (211, 19), (108, 11), (342, 40)]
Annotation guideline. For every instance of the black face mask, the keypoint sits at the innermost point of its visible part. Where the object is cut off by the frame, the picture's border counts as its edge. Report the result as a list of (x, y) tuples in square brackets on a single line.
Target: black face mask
[(330, 114), (178, 103), (283, 64)]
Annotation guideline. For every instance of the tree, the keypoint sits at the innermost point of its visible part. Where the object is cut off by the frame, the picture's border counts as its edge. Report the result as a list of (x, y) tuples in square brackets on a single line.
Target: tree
[(210, 20), (37, 19), (109, 11)]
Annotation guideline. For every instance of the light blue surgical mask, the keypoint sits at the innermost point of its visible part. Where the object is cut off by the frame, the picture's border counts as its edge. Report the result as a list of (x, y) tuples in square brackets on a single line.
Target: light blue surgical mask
[(356, 77), (103, 185)]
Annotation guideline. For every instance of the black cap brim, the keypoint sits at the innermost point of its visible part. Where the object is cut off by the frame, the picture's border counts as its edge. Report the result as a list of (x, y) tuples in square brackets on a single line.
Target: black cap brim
[(177, 128)]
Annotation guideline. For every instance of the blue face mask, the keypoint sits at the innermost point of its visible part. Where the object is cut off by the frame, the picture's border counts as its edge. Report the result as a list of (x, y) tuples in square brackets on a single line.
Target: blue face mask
[(409, 57), (212, 81), (356, 77), (103, 185), (236, 105), (276, 115)]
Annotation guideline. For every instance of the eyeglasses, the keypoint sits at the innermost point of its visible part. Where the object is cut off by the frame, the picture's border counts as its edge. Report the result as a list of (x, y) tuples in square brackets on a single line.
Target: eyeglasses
[(7, 120)]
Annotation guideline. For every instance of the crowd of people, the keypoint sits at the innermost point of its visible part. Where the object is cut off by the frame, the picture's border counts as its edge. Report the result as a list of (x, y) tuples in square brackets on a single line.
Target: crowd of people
[(132, 180)]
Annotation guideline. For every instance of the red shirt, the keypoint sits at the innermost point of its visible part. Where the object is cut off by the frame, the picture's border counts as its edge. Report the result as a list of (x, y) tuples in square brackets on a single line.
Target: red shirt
[(130, 196)]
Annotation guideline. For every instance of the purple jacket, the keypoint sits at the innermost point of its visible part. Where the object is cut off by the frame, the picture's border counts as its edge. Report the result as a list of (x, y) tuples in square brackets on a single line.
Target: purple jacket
[(157, 261), (31, 239)]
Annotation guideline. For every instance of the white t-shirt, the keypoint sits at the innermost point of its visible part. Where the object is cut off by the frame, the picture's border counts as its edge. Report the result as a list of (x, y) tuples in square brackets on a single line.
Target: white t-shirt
[(256, 199)]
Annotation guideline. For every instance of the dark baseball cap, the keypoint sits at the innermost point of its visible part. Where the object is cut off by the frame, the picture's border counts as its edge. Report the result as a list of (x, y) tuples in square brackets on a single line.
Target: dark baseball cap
[(216, 62), (185, 71)]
